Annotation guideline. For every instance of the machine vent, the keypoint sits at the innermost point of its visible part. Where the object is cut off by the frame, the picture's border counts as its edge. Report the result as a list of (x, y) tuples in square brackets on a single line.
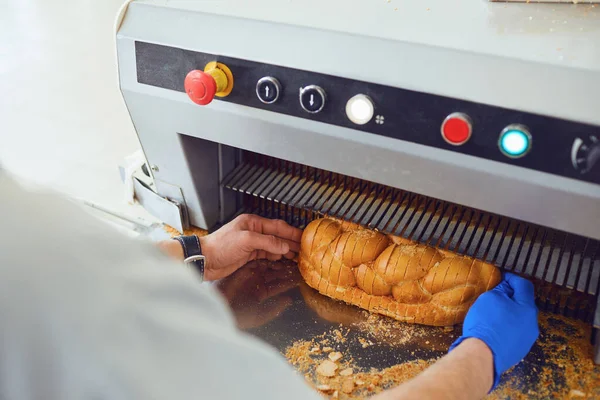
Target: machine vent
[(565, 266)]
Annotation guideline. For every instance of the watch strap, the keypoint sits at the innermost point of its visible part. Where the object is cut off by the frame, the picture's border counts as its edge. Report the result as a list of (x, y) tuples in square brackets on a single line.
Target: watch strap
[(192, 252)]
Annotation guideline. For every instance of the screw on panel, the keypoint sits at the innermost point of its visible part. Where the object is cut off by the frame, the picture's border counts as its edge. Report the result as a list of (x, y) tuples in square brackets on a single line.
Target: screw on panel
[(154, 168)]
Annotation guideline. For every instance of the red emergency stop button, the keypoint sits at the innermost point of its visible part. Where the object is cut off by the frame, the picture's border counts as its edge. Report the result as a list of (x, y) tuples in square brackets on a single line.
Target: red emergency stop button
[(457, 128), (203, 86), (200, 87)]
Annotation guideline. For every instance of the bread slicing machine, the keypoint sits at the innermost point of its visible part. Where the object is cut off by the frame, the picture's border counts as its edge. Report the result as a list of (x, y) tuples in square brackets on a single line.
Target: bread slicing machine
[(471, 125)]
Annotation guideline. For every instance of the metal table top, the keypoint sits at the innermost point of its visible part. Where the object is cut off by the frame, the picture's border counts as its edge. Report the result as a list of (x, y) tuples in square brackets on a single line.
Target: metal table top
[(271, 301)]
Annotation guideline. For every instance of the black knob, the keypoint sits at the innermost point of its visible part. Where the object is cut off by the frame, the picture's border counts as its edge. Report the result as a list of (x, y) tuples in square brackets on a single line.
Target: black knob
[(585, 155), (312, 98), (593, 157)]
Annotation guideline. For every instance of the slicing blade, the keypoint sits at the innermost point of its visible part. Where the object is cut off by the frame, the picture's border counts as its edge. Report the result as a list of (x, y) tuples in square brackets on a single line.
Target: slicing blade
[(298, 194)]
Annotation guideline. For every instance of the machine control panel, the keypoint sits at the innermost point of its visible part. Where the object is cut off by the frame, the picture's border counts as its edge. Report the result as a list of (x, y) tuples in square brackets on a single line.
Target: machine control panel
[(532, 141)]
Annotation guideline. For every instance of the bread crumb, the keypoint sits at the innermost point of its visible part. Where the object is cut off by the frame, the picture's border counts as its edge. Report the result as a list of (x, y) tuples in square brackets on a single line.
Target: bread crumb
[(324, 388), (576, 393), (315, 350), (371, 387), (339, 336), (376, 380), (327, 368), (335, 395), (346, 372), (448, 328), (327, 349), (579, 371), (348, 386), (336, 355)]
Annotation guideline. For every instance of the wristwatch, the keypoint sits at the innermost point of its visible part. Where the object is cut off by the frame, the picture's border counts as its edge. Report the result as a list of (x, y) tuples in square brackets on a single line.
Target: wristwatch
[(192, 253)]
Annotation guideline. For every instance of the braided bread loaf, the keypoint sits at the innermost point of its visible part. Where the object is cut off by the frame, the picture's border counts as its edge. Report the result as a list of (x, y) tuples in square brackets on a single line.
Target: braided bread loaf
[(391, 276)]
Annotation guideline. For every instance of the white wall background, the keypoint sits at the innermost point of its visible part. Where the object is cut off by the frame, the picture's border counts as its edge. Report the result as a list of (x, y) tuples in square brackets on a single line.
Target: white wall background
[(63, 123)]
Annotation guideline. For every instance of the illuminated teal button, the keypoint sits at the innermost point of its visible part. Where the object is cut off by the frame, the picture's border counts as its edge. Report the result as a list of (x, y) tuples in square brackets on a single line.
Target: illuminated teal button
[(515, 141)]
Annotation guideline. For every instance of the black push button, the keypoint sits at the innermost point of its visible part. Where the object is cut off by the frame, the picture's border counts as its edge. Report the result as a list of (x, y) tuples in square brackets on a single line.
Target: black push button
[(312, 98), (268, 89)]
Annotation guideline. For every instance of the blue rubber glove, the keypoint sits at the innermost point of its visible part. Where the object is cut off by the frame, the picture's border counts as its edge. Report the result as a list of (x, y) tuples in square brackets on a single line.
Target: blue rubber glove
[(505, 318)]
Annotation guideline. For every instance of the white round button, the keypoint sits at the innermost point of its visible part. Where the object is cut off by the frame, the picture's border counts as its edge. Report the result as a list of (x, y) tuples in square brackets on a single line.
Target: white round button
[(360, 109)]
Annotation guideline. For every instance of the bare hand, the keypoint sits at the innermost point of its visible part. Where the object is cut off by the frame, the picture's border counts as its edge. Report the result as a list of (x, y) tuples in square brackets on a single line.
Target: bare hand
[(247, 238)]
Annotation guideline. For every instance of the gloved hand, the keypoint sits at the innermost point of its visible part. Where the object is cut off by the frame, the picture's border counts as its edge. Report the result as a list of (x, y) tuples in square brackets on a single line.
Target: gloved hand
[(505, 318)]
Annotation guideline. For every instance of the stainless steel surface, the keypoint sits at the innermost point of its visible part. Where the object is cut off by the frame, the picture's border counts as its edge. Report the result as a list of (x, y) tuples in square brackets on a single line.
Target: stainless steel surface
[(169, 211), (130, 225), (391, 54), (270, 301), (548, 1), (464, 45)]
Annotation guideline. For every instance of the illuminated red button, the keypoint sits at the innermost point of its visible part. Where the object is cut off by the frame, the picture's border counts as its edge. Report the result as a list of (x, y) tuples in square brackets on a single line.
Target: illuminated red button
[(200, 87), (456, 129)]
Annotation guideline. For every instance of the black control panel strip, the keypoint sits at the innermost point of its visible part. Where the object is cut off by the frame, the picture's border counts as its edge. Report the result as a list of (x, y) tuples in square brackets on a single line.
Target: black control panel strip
[(398, 113)]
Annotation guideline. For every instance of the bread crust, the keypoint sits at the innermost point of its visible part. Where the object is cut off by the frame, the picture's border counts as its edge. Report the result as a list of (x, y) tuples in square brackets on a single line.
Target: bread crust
[(391, 276)]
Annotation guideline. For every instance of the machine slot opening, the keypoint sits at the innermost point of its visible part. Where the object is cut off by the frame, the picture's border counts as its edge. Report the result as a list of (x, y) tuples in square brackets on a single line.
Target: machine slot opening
[(565, 267)]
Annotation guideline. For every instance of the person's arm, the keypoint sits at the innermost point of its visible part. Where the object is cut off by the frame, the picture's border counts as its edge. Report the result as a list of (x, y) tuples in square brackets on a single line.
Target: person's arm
[(499, 330), (465, 373), (88, 313), (246, 238)]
